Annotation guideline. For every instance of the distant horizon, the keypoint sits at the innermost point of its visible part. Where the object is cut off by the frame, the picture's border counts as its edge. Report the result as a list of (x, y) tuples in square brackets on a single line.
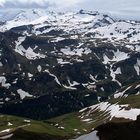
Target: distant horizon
[(115, 15), (120, 9)]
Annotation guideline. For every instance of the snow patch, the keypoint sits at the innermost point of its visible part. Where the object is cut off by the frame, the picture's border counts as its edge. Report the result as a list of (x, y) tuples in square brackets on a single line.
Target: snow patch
[(6, 137), (120, 94), (137, 67), (56, 79), (23, 94), (39, 68), (5, 131), (29, 53), (3, 82), (10, 124), (90, 136)]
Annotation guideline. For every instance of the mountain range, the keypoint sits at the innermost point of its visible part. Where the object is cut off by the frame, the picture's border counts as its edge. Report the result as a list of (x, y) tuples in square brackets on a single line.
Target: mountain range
[(55, 63)]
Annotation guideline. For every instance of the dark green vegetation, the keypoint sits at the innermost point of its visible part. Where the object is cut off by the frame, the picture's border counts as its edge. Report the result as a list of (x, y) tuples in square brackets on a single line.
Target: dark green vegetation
[(26, 135), (23, 129)]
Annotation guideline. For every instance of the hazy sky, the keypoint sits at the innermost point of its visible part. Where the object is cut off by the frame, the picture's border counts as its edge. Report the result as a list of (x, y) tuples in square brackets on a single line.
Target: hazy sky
[(123, 8)]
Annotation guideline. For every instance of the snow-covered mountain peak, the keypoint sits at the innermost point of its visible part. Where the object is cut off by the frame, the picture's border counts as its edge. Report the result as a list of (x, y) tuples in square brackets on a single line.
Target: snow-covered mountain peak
[(76, 19), (29, 15), (87, 22)]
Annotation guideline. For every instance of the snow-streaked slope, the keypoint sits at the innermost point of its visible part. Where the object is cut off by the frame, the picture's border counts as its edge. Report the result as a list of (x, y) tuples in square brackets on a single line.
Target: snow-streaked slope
[(118, 31), (114, 110)]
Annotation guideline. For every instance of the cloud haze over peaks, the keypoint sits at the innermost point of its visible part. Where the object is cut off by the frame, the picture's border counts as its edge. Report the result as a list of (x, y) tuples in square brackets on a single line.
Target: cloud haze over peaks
[(38, 3), (119, 8)]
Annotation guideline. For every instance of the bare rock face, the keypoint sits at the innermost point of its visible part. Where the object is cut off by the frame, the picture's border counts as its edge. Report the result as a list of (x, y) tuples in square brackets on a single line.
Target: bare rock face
[(119, 131)]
